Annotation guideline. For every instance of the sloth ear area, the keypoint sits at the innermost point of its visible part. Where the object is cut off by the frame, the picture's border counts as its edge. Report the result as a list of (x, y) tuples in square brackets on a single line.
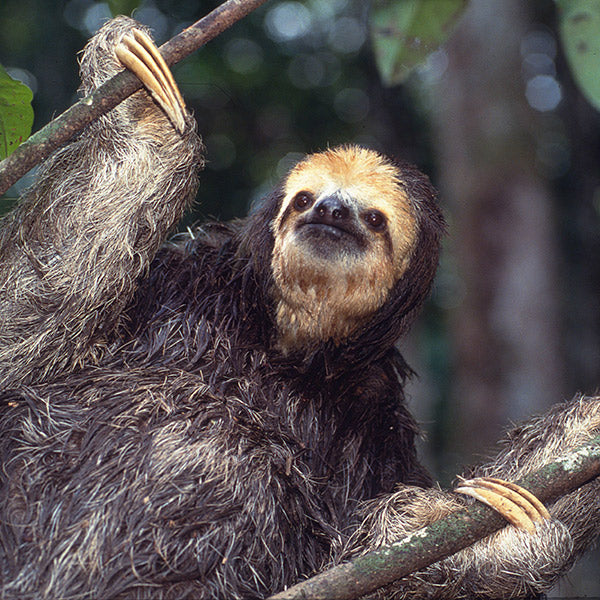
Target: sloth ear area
[(138, 53)]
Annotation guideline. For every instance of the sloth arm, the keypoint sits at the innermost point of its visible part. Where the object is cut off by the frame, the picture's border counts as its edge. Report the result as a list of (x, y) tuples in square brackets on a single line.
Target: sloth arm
[(512, 562), (71, 253)]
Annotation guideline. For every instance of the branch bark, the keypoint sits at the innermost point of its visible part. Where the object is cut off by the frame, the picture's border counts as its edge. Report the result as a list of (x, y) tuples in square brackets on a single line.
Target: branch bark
[(444, 537), (59, 131)]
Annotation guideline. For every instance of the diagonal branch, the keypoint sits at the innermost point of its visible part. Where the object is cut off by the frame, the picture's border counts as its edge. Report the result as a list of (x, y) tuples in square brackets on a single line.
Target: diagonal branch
[(426, 546), (59, 131)]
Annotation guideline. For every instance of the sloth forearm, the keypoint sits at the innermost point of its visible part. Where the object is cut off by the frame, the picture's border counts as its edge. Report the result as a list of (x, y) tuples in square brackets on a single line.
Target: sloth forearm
[(71, 254), (54, 294)]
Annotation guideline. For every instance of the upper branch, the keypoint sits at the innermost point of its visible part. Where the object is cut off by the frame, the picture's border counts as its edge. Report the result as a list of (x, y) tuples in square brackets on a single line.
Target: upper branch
[(59, 131)]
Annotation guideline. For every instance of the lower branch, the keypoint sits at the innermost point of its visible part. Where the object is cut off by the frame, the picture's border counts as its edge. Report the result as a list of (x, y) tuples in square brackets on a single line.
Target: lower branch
[(444, 537)]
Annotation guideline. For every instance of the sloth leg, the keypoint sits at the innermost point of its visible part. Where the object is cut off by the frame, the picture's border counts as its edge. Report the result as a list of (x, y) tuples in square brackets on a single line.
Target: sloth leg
[(516, 504), (138, 53)]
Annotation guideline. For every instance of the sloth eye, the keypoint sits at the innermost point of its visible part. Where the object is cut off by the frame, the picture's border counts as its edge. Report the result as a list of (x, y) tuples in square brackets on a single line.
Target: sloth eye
[(303, 200), (375, 220)]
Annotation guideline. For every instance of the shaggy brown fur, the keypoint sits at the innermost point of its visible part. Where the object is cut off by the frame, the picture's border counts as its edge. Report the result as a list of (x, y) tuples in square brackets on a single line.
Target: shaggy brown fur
[(164, 435)]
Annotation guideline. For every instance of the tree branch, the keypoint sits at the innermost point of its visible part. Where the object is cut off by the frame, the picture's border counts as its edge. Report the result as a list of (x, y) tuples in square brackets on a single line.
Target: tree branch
[(59, 131), (444, 537)]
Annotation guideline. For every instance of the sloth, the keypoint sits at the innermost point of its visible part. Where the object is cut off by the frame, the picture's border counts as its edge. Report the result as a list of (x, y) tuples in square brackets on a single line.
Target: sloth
[(222, 414)]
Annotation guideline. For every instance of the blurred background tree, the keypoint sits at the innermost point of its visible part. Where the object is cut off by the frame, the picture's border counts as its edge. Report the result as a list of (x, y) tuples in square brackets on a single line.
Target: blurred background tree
[(513, 324)]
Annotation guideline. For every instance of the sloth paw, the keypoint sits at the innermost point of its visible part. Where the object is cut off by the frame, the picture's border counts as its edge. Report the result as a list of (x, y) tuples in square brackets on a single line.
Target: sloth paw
[(137, 52), (517, 505)]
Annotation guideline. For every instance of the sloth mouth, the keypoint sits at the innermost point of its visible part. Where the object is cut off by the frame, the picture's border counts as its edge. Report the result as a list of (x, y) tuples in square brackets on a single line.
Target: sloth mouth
[(327, 237), (337, 232)]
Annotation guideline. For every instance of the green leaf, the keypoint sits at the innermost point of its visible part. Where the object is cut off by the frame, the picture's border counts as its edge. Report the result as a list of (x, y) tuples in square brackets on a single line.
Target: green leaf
[(122, 7), (16, 113), (579, 25), (405, 32)]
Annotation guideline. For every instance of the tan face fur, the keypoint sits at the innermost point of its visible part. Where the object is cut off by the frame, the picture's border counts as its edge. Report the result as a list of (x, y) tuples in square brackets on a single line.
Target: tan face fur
[(332, 275)]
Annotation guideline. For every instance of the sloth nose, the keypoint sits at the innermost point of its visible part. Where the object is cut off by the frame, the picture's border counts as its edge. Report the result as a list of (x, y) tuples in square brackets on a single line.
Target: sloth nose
[(331, 210)]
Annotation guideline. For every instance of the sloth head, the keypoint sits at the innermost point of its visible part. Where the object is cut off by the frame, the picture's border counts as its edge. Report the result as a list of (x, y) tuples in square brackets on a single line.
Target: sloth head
[(348, 227)]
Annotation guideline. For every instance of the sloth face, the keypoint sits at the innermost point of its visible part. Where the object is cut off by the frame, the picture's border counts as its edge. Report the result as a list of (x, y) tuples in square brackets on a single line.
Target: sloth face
[(344, 235)]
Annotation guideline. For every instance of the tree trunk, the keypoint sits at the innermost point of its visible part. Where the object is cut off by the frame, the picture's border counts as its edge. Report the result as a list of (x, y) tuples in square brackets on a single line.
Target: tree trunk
[(505, 325)]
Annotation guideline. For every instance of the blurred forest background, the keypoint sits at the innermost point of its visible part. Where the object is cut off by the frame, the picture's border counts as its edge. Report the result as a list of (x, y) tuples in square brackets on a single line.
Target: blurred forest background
[(494, 117)]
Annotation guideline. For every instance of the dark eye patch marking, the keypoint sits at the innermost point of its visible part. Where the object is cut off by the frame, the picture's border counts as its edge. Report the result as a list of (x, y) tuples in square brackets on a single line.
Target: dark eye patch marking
[(375, 220), (303, 200)]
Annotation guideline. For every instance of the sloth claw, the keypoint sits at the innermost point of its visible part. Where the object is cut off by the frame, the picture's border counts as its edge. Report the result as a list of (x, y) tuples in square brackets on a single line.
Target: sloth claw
[(516, 504), (137, 52)]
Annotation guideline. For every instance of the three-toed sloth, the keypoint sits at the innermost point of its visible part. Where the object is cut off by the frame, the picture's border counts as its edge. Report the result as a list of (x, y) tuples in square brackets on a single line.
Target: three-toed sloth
[(222, 415)]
